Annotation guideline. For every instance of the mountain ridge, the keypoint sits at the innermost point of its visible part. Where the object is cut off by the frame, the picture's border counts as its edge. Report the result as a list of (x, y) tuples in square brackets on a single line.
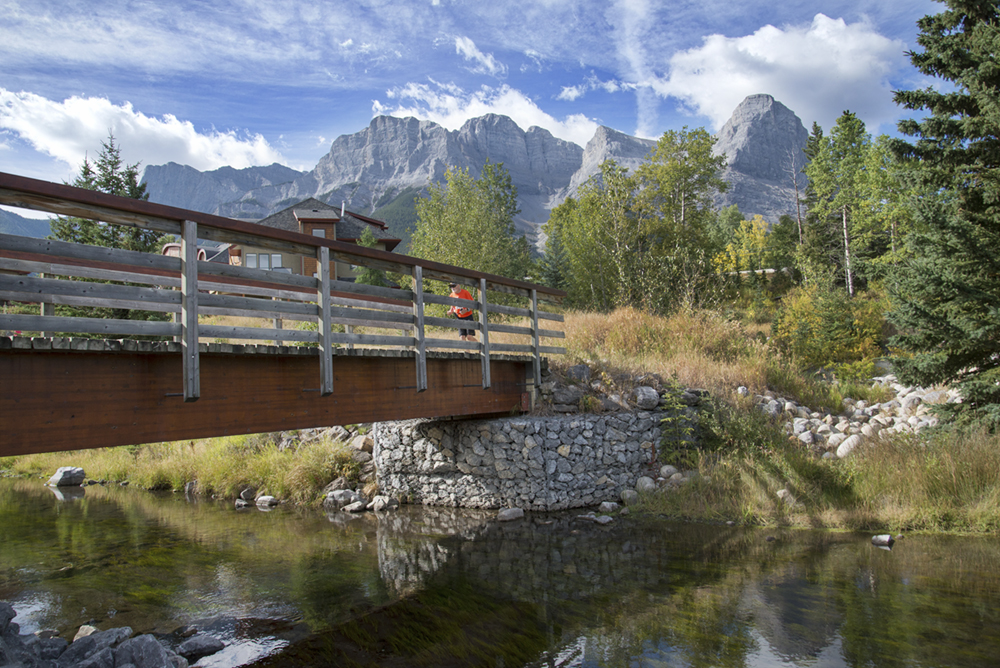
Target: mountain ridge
[(370, 169)]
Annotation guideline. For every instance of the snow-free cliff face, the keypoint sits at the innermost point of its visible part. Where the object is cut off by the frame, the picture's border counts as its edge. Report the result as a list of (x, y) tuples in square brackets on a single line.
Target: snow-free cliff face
[(396, 157), (762, 142)]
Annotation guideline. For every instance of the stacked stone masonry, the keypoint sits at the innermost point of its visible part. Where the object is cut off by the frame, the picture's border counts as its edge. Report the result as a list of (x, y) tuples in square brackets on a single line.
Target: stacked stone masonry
[(530, 463)]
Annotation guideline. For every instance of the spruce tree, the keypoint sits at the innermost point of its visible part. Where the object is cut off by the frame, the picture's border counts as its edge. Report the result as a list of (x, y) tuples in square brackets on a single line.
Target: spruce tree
[(947, 294), (109, 174)]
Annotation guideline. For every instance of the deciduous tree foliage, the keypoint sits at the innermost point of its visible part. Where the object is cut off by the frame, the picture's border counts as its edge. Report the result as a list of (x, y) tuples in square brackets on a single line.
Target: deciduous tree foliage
[(367, 275), (947, 294), (469, 222), (643, 239)]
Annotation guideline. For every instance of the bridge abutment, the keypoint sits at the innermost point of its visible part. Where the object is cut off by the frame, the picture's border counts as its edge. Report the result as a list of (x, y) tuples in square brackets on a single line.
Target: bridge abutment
[(535, 463)]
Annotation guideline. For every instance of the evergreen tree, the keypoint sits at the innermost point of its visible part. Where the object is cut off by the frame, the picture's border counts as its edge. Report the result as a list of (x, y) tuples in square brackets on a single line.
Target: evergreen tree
[(109, 174), (946, 296), (555, 267)]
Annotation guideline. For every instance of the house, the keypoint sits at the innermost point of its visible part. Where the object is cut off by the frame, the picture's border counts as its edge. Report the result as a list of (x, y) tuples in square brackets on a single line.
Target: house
[(319, 219)]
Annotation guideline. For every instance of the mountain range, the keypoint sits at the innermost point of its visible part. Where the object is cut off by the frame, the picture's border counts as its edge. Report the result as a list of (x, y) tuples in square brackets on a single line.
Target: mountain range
[(381, 169)]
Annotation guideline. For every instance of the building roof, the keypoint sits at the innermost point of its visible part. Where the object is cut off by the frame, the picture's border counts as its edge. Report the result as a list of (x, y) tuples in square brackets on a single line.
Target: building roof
[(349, 227)]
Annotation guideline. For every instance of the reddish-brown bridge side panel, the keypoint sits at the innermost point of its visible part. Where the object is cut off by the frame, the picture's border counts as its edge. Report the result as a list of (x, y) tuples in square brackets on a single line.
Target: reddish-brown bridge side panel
[(51, 401)]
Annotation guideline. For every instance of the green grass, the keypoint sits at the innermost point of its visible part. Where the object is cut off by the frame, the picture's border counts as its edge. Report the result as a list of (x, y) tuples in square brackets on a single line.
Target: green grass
[(221, 466)]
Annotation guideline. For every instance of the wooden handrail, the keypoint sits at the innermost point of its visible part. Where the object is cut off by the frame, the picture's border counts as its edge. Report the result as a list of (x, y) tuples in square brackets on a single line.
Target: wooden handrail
[(325, 301)]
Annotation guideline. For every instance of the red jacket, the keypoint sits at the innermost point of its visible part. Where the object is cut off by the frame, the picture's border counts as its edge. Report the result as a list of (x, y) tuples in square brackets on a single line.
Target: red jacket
[(461, 311)]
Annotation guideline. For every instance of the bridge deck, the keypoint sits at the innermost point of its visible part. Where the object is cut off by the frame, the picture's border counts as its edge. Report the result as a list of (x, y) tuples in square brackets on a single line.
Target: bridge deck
[(85, 393)]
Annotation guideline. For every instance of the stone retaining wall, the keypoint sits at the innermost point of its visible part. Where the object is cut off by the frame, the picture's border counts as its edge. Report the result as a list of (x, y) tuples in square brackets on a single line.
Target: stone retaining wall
[(530, 463)]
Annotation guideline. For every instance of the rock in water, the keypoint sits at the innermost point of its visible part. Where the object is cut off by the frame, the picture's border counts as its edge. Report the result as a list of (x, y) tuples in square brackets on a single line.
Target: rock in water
[(508, 514), (67, 476), (883, 540)]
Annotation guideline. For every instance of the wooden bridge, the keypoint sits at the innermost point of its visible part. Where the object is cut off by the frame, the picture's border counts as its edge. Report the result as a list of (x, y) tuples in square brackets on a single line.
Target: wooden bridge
[(188, 378)]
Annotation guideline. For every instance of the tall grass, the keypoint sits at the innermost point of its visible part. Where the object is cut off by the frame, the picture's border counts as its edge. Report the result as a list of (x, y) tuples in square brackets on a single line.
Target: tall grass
[(942, 482), (221, 466)]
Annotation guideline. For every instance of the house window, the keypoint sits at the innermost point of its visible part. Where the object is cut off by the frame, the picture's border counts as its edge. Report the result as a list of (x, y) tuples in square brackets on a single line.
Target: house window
[(319, 232), (275, 260), (251, 261), (264, 262)]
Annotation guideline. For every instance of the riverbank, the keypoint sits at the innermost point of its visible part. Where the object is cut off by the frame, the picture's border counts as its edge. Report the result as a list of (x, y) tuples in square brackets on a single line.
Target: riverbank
[(940, 480)]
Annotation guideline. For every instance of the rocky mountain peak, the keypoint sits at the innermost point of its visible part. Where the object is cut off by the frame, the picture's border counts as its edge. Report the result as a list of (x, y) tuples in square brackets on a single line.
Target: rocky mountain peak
[(762, 138)]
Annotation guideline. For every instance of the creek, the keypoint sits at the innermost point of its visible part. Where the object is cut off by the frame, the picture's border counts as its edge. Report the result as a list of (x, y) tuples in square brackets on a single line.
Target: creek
[(448, 587)]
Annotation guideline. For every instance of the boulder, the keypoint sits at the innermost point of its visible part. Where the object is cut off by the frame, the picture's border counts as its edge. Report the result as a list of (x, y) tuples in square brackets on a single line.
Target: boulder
[(356, 507), (266, 501), (667, 470), (7, 613), (508, 514), (363, 443), (380, 503), (337, 484), (845, 449), (608, 507), (629, 496), (567, 395), (249, 494), (339, 498), (85, 647), (143, 652), (200, 645), (645, 484), (578, 372), (67, 476), (645, 397), (884, 539)]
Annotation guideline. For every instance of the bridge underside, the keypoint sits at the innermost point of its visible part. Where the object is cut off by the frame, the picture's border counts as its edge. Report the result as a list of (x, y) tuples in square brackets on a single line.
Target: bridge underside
[(52, 400)]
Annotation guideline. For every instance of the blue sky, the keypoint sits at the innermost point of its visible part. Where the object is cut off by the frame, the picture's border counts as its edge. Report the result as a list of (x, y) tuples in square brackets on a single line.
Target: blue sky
[(245, 82)]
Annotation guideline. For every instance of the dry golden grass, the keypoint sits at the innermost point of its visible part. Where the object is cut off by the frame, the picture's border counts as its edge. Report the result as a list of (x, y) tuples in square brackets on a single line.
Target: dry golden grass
[(701, 349)]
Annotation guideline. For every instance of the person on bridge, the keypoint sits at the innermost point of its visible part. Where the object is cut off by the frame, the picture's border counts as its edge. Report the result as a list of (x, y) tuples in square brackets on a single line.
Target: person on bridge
[(461, 312)]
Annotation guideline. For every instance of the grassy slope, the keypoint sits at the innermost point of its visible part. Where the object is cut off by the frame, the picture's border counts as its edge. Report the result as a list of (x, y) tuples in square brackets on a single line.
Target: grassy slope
[(944, 481)]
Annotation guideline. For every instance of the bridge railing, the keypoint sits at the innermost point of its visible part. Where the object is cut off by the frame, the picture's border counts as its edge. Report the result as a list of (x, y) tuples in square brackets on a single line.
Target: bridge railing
[(49, 272)]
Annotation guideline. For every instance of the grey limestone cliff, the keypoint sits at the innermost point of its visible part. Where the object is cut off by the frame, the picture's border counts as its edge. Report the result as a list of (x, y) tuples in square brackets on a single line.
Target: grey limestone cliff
[(762, 142), (393, 159)]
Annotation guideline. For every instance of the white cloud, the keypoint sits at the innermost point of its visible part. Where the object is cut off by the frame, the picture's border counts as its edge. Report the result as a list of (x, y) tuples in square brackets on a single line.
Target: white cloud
[(486, 63), (451, 107), (70, 129), (818, 71), (571, 93)]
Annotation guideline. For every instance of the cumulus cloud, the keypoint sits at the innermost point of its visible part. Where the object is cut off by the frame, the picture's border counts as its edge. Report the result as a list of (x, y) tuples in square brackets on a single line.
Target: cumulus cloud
[(817, 70), (451, 106), (571, 93), (485, 62), (68, 130)]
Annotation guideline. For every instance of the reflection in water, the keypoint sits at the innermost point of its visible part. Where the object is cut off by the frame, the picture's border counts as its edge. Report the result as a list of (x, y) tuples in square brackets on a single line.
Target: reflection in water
[(441, 586)]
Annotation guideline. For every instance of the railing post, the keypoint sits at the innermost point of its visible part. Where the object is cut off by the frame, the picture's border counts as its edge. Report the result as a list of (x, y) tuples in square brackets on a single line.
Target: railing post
[(189, 310), (349, 329), (418, 325), (46, 309), (484, 323), (277, 322), (535, 344), (325, 342)]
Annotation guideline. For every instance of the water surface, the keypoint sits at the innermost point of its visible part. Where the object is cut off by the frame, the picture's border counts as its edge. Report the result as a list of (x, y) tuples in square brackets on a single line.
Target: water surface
[(440, 587)]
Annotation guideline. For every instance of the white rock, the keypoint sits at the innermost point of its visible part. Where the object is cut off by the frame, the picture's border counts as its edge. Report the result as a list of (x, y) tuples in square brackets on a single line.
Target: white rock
[(847, 447), (645, 484), (267, 501), (67, 476), (667, 470)]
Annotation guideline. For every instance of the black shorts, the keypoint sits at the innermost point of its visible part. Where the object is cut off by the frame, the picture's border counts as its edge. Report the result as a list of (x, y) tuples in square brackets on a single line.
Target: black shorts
[(466, 332)]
